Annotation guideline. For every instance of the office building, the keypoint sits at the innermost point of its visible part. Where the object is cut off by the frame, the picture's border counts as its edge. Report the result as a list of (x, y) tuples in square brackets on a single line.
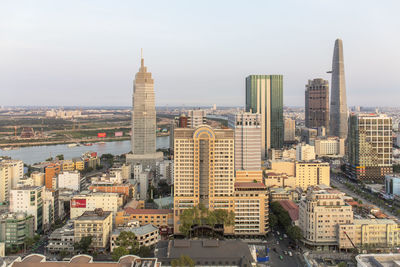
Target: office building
[(320, 212), (15, 228), (305, 152), (162, 218), (97, 224), (143, 140), (38, 178), (5, 184), (204, 174), (195, 118), (62, 239), (89, 201), (247, 144), (392, 185), (329, 147), (197, 152), (70, 180), (317, 104), (264, 95), (370, 146), (289, 130), (29, 200), (308, 135), (338, 111)]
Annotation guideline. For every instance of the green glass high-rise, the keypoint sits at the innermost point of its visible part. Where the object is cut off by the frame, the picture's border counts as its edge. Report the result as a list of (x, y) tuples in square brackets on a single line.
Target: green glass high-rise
[(264, 95)]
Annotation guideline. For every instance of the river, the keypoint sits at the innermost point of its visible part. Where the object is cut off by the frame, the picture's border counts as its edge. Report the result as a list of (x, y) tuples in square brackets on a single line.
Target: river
[(34, 154)]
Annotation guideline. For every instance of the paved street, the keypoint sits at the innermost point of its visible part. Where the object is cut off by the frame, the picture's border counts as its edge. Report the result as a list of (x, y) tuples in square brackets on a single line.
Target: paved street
[(289, 261)]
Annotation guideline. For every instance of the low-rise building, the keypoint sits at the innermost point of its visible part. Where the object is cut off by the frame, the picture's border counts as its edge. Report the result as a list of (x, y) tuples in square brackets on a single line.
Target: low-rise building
[(305, 152), (392, 185), (62, 239), (369, 233), (127, 189), (97, 224), (162, 218), (37, 260), (292, 209), (329, 147), (146, 235), (67, 165), (273, 179), (38, 178)]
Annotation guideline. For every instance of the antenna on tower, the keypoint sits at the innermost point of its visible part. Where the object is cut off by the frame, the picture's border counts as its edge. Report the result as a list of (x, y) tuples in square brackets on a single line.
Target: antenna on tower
[(141, 57)]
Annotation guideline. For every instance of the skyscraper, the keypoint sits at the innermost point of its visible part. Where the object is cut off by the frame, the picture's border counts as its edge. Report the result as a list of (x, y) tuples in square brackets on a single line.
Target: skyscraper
[(289, 130), (370, 146), (264, 95), (143, 140), (338, 118), (247, 140), (317, 103), (204, 174)]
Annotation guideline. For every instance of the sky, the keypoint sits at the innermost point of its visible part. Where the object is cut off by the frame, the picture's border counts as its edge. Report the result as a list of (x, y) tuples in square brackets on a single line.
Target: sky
[(86, 52)]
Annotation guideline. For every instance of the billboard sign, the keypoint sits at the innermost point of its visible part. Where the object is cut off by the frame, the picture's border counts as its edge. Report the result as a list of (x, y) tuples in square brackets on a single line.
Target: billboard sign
[(78, 203), (100, 135), (119, 134)]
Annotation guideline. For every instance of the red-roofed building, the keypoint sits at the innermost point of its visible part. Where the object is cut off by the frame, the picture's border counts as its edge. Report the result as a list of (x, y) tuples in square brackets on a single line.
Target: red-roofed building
[(292, 209)]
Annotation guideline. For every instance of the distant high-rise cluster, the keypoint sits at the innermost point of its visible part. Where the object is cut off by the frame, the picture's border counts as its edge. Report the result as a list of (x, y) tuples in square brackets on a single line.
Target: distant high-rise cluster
[(264, 95)]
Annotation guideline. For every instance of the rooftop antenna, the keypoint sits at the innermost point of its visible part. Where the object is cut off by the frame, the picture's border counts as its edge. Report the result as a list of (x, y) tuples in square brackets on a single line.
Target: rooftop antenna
[(141, 57)]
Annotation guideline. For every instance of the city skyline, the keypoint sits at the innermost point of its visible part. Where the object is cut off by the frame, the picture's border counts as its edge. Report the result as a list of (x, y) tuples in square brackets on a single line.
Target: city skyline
[(97, 61)]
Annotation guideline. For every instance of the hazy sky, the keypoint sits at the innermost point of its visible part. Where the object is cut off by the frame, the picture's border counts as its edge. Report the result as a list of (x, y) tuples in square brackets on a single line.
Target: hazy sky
[(87, 52)]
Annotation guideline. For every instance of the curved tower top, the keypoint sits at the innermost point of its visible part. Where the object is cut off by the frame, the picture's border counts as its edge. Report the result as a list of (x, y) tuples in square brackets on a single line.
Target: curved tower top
[(338, 112)]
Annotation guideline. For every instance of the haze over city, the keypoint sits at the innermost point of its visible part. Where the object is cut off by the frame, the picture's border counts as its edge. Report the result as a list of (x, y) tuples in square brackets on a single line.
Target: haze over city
[(88, 52)]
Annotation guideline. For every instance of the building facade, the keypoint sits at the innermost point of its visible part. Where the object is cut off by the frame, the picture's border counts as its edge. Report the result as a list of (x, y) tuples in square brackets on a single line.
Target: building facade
[(95, 200), (29, 200), (70, 180), (15, 171), (289, 130), (392, 185), (195, 118), (264, 95), (247, 130), (15, 228), (305, 152), (312, 173), (329, 147), (370, 146), (317, 103), (97, 224)]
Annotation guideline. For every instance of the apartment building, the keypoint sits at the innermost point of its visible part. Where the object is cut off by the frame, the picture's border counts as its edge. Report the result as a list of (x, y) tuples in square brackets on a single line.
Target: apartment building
[(305, 152), (157, 217), (15, 228), (312, 173), (146, 235), (329, 147), (69, 180), (97, 224), (15, 171)]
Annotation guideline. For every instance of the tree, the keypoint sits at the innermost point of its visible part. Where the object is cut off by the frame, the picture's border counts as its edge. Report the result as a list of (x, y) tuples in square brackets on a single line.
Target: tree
[(342, 264), (49, 159), (182, 261), (60, 157), (128, 241), (84, 244), (119, 252), (28, 242), (273, 220), (145, 252), (295, 233)]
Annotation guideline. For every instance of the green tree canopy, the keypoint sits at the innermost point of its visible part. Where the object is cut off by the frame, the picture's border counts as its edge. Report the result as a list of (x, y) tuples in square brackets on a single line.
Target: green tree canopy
[(84, 244), (295, 233), (127, 244), (183, 261), (119, 252)]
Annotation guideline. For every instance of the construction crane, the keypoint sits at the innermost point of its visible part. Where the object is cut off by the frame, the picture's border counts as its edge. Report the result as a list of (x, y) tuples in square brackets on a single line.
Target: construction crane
[(351, 241)]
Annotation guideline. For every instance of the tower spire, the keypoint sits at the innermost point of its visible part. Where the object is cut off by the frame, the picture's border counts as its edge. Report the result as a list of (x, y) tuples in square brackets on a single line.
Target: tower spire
[(141, 58)]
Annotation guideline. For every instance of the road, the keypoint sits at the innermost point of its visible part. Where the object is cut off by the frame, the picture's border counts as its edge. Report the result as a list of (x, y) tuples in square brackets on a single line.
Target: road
[(335, 181), (289, 261)]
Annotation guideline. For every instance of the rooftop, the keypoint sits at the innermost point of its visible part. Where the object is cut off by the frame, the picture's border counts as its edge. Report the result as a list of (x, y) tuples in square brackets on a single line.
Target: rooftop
[(147, 211), (378, 260), (291, 208), (374, 221), (257, 185), (97, 214), (37, 260), (206, 252), (138, 231)]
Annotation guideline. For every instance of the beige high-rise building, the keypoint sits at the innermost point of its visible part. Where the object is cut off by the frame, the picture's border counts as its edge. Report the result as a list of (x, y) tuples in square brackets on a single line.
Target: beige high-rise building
[(305, 152), (319, 214), (204, 174), (5, 184), (289, 130), (204, 169), (195, 118), (15, 171), (247, 140)]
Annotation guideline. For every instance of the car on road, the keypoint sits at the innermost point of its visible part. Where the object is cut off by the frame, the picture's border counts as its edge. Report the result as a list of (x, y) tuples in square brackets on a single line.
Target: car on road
[(281, 257), (274, 249), (290, 254), (277, 242), (285, 252), (284, 235)]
